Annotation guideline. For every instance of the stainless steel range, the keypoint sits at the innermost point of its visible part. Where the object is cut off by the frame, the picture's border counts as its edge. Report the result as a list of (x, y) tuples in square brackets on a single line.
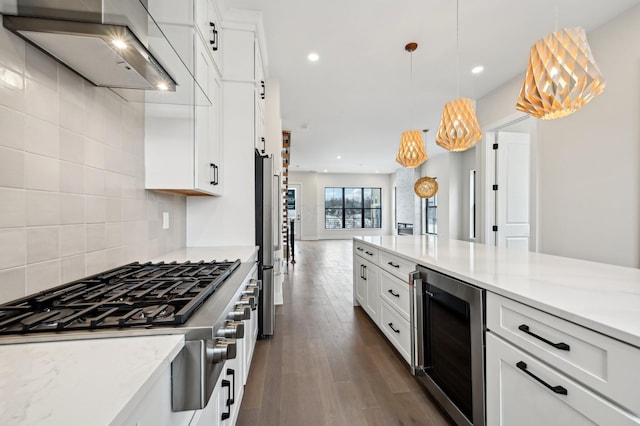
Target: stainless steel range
[(205, 301)]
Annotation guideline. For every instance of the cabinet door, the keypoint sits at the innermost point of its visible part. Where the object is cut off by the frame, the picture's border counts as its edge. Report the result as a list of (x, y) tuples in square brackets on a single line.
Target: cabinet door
[(360, 281), (372, 275), (204, 169), (208, 24), (518, 393), (215, 135)]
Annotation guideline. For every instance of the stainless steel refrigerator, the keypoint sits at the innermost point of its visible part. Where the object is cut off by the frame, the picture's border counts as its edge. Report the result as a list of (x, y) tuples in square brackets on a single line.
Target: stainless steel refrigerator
[(266, 240)]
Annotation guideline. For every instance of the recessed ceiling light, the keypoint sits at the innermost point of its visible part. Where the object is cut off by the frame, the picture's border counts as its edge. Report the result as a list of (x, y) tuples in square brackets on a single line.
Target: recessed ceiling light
[(338, 157), (325, 170), (313, 57), (477, 69)]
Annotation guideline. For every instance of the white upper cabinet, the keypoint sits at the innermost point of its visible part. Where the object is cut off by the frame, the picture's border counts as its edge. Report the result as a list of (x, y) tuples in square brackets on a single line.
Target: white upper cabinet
[(183, 147)]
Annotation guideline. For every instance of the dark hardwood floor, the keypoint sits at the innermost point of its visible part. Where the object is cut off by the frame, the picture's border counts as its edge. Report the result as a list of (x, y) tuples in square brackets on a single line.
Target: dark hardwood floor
[(327, 363)]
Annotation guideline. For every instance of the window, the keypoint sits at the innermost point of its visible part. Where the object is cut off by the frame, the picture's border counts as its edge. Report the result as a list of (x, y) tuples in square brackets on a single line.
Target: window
[(432, 214), (472, 204), (352, 208)]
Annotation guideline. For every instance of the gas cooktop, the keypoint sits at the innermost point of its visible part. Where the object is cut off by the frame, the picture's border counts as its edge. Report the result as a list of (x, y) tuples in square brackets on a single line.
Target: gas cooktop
[(133, 295)]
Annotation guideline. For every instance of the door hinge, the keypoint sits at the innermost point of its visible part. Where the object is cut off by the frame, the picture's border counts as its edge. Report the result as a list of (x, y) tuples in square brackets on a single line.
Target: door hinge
[(495, 146), (495, 228), (495, 187)]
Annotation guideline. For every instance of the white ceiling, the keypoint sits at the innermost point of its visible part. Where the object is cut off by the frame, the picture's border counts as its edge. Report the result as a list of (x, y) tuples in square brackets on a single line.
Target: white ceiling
[(363, 92)]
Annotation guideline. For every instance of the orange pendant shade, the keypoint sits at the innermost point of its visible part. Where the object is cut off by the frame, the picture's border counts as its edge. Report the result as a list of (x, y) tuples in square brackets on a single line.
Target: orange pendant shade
[(459, 129), (561, 77), (425, 187), (411, 152)]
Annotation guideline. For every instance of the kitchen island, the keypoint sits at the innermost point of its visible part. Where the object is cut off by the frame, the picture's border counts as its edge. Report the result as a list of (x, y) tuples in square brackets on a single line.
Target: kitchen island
[(559, 338)]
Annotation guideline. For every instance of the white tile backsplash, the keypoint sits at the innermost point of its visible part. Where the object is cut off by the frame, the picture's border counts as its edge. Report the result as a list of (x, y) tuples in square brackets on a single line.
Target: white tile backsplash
[(43, 275), (71, 209), (13, 247), (71, 178), (96, 237), (71, 146), (11, 168), (73, 267), (41, 137), (43, 208), (13, 208), (73, 240), (72, 197), (43, 244), (12, 284), (12, 124), (42, 173)]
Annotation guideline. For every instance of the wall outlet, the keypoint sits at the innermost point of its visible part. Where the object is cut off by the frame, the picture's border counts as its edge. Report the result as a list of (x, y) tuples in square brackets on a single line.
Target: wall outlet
[(165, 220)]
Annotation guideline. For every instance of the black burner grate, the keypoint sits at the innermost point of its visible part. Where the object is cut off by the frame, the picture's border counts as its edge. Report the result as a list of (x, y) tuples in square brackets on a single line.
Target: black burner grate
[(133, 295)]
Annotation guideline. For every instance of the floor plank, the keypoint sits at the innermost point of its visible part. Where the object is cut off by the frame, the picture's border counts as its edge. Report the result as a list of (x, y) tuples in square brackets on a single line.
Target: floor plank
[(328, 364)]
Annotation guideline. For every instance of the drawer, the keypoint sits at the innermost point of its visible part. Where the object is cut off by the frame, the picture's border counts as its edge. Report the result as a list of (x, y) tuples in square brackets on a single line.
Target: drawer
[(396, 329), (366, 251), (396, 265), (397, 293), (606, 365), (521, 390)]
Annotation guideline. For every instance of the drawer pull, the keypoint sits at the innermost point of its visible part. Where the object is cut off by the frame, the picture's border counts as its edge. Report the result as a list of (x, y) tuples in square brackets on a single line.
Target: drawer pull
[(562, 346), (556, 389), (395, 265), (369, 253), (359, 249), (393, 328), (393, 294)]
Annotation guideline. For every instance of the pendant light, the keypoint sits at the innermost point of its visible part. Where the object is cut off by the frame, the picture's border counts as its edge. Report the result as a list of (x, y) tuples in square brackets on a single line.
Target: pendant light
[(561, 77), (411, 152), (459, 129), (425, 187)]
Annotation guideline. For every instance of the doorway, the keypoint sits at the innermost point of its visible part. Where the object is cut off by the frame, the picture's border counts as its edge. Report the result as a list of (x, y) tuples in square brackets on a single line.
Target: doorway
[(511, 176), (294, 209)]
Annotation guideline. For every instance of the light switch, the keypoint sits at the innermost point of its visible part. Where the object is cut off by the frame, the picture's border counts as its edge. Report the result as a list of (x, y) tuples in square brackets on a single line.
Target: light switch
[(165, 220)]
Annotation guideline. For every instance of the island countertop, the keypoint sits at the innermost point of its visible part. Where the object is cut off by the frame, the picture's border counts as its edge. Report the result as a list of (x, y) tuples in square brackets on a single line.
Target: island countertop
[(601, 297)]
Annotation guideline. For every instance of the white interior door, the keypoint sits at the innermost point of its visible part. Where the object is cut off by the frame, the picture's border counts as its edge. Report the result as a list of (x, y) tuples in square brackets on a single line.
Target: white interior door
[(512, 198), (294, 208)]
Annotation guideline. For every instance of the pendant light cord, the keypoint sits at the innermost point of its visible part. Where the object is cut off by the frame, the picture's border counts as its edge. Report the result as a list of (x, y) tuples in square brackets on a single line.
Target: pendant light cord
[(457, 48)]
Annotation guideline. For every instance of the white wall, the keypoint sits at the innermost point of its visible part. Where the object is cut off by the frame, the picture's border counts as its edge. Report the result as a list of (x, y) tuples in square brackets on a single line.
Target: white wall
[(589, 162), (72, 198), (313, 185)]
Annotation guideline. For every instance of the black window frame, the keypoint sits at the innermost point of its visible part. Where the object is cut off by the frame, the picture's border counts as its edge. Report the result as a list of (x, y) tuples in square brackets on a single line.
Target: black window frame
[(344, 207), (433, 205)]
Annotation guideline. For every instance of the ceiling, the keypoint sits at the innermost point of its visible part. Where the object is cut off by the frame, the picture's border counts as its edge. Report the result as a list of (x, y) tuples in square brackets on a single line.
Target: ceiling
[(365, 89)]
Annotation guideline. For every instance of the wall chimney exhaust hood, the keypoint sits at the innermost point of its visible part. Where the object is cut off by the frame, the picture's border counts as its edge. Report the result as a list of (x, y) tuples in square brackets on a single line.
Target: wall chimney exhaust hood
[(107, 55)]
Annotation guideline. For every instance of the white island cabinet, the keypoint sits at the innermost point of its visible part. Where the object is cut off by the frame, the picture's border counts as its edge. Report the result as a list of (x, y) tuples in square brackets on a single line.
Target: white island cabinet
[(562, 335)]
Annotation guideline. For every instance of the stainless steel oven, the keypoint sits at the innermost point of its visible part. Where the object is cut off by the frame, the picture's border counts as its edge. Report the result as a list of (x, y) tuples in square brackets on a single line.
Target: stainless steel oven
[(449, 358)]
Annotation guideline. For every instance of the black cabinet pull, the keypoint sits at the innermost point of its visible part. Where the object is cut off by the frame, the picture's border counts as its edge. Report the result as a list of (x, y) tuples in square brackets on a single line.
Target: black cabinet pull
[(369, 253), (556, 389), (359, 249), (214, 37), (227, 384), (562, 346), (364, 270), (264, 90), (232, 392), (393, 294), (393, 328), (395, 265), (215, 174)]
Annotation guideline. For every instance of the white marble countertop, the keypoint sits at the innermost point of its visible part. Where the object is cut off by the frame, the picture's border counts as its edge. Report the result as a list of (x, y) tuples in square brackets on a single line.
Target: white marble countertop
[(194, 254), (602, 297), (88, 382)]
